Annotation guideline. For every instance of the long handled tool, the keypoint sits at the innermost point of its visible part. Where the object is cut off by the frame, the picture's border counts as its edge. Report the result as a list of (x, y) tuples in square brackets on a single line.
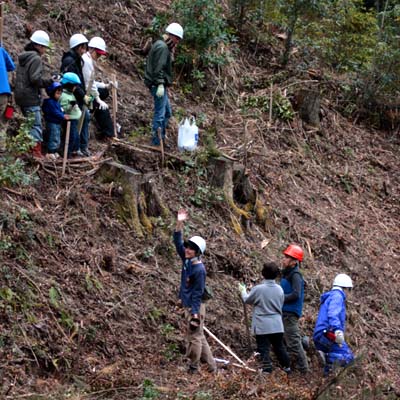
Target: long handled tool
[(114, 105), (85, 107), (66, 145), (246, 322), (1, 23), (227, 349)]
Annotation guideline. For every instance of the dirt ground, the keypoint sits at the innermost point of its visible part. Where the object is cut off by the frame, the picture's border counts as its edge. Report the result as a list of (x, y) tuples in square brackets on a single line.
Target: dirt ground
[(88, 293)]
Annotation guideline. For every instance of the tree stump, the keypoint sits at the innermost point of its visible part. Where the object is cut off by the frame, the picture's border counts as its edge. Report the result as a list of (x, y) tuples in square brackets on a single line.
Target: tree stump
[(309, 104), (138, 198)]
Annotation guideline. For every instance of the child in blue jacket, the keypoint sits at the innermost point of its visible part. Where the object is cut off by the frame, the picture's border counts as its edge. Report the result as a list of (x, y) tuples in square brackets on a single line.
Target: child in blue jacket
[(54, 116), (331, 325)]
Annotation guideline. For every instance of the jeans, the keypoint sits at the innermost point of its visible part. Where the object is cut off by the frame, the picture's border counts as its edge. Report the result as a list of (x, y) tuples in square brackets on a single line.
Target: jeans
[(84, 136), (36, 130), (197, 348), (264, 343), (293, 341), (53, 136), (73, 145), (162, 114)]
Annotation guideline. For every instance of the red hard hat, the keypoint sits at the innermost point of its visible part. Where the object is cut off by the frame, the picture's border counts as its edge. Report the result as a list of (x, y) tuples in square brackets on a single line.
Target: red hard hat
[(295, 251)]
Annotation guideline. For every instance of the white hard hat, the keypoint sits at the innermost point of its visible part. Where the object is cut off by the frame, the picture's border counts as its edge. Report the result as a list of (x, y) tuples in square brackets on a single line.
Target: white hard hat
[(199, 242), (76, 40), (343, 280), (99, 44), (175, 29), (40, 37)]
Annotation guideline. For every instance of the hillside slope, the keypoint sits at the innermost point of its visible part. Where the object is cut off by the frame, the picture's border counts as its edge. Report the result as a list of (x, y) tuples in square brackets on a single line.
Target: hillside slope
[(88, 299)]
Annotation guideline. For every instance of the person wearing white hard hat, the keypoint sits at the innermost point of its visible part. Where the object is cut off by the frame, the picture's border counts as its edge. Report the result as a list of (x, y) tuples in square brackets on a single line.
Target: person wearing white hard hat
[(329, 331), (158, 76), (192, 296), (72, 62), (29, 80), (97, 48)]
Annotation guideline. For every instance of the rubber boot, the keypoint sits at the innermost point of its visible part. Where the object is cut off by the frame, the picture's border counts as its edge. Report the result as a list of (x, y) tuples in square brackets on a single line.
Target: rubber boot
[(37, 151)]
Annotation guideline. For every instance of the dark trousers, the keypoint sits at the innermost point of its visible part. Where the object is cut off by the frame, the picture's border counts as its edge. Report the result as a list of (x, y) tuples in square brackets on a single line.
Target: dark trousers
[(264, 343)]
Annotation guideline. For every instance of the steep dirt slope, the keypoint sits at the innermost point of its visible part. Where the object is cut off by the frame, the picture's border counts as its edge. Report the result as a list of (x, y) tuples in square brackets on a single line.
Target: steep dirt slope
[(88, 306)]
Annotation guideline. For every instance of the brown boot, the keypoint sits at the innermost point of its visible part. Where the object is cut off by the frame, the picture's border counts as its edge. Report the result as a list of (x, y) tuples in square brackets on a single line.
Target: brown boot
[(37, 151)]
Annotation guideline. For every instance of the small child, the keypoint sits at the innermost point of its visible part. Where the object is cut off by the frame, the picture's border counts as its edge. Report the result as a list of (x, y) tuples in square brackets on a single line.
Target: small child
[(54, 116), (69, 103)]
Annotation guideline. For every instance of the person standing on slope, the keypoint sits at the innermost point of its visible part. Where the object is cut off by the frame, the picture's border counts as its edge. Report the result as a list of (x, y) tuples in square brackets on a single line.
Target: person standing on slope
[(158, 76), (331, 325), (29, 80), (267, 299), (72, 62), (191, 292), (97, 48), (293, 286)]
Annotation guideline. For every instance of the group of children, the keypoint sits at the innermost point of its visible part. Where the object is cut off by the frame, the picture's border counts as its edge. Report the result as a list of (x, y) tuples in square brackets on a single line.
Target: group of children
[(69, 96)]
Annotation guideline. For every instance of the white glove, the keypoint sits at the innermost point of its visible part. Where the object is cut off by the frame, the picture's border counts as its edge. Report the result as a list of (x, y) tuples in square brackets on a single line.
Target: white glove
[(160, 91), (339, 337), (242, 289), (100, 85), (102, 104), (113, 84)]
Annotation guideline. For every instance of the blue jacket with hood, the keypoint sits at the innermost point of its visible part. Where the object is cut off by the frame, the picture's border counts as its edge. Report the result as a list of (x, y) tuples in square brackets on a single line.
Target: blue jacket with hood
[(332, 312)]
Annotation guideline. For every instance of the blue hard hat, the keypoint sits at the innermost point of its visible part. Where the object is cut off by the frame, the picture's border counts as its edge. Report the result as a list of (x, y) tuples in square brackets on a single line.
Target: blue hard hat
[(70, 77), (53, 87)]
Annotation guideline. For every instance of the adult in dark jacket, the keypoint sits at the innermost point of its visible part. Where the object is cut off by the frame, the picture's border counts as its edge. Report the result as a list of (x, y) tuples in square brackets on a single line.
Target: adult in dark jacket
[(331, 325), (72, 62), (267, 326), (158, 76), (293, 286), (29, 81), (192, 286)]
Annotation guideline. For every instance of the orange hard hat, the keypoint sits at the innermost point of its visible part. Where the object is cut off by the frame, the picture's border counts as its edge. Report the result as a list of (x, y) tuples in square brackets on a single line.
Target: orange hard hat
[(294, 251)]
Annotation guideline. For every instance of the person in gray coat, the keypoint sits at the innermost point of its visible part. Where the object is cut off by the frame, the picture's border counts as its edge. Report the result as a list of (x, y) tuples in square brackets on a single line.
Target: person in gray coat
[(267, 326)]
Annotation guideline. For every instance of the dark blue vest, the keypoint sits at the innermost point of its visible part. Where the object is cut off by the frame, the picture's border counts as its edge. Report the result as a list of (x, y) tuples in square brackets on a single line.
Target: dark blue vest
[(286, 283)]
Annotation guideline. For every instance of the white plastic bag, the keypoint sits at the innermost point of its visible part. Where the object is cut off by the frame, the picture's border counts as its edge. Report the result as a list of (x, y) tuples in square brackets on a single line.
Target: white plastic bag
[(188, 135)]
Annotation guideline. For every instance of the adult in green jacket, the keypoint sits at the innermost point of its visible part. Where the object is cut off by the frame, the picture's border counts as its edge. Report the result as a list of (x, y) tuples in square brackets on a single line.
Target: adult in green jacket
[(29, 81), (158, 76)]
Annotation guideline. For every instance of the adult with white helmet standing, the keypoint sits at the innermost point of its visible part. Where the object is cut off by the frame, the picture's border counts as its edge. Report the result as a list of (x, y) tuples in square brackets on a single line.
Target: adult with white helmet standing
[(191, 294), (97, 48), (158, 76), (72, 62), (330, 327), (29, 81)]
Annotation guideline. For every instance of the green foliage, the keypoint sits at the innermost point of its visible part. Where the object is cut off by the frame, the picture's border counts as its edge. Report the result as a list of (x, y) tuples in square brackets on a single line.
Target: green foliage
[(54, 297), (171, 351), (12, 169), (149, 390)]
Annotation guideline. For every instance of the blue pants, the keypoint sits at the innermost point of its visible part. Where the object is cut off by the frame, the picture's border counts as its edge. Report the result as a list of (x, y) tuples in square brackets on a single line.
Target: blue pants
[(84, 136), (53, 136), (73, 145), (36, 129), (335, 354), (162, 114)]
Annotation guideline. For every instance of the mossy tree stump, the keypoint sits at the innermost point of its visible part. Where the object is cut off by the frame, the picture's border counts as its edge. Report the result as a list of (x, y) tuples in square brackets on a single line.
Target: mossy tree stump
[(138, 198)]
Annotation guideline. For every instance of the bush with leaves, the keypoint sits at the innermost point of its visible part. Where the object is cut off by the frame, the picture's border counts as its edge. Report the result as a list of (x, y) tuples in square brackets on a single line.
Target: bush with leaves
[(12, 168)]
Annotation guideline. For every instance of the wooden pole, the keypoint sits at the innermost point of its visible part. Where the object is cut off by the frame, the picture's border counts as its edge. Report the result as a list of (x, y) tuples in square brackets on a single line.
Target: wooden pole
[(114, 104), (162, 147), (224, 346), (68, 130), (1, 23), (246, 322)]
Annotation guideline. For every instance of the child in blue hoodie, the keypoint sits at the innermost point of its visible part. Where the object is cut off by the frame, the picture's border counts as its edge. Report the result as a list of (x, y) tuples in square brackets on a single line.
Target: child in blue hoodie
[(54, 116)]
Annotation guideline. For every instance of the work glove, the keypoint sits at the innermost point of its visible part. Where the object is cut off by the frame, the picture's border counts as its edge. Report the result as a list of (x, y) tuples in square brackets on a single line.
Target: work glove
[(242, 288), (339, 337), (160, 91), (113, 84), (102, 104), (87, 99), (194, 324), (102, 85), (56, 77)]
